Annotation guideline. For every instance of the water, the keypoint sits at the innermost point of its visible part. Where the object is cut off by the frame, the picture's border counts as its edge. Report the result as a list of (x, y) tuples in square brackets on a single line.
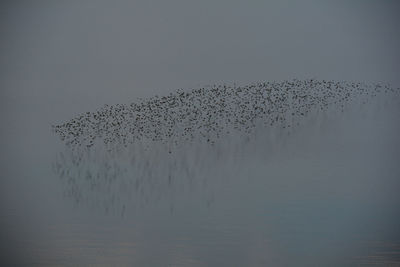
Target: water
[(326, 195)]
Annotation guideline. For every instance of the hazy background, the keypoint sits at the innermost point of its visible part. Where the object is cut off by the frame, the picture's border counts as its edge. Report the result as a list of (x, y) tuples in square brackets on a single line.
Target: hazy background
[(75, 55), (61, 58)]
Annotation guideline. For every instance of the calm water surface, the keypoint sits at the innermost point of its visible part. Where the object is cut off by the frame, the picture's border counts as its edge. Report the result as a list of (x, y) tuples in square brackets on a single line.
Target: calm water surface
[(324, 196)]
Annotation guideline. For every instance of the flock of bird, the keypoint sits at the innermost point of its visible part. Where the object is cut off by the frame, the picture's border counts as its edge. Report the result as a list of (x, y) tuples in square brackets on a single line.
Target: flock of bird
[(204, 115), (211, 113)]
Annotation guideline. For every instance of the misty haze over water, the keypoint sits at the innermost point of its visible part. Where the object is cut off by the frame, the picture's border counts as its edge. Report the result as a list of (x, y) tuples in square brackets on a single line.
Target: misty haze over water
[(324, 193)]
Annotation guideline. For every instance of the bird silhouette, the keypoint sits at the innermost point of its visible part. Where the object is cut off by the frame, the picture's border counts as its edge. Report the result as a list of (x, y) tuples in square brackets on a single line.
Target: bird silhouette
[(213, 112)]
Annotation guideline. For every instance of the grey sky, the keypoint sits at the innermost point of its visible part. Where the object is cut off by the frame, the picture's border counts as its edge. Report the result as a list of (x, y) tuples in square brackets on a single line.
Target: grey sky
[(78, 55)]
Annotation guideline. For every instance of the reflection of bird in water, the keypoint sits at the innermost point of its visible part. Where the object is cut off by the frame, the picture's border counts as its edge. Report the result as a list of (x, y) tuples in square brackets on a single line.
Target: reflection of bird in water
[(210, 113), (124, 181)]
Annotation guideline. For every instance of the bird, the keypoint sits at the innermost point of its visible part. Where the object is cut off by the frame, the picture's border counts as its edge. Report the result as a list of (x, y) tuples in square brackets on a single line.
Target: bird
[(211, 113)]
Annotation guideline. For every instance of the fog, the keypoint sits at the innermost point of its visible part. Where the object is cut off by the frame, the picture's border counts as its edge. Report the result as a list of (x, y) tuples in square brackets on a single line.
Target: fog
[(59, 59), (86, 53)]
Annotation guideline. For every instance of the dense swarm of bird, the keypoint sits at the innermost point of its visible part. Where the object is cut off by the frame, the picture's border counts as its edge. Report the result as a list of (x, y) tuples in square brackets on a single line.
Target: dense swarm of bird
[(211, 113), (183, 118)]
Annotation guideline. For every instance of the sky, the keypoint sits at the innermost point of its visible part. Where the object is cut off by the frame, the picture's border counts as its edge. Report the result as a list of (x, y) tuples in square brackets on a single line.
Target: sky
[(75, 56), (62, 58)]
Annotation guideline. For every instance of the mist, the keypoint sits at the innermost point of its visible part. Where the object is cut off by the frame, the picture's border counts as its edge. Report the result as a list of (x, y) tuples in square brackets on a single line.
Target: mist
[(62, 59)]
